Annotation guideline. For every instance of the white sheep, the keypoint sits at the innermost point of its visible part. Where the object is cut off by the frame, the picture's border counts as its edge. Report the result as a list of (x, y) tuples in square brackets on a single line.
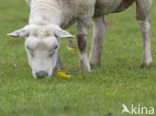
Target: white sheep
[(48, 18)]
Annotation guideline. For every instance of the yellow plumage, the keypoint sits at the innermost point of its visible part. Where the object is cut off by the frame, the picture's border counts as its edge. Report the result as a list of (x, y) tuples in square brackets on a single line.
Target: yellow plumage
[(72, 49), (63, 75), (72, 46)]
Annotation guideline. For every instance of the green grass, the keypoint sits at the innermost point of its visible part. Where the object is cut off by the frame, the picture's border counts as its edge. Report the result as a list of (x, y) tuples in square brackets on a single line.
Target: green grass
[(99, 93)]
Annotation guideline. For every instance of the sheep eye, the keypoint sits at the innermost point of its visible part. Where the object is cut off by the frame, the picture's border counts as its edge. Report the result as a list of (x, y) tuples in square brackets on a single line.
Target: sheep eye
[(56, 36), (51, 54), (28, 48), (55, 47)]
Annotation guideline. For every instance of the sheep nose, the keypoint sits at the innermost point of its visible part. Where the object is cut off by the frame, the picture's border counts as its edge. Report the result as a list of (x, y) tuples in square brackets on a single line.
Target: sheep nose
[(41, 74)]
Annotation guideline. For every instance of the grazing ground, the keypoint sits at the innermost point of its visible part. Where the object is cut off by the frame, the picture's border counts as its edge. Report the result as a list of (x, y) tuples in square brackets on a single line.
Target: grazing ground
[(99, 93)]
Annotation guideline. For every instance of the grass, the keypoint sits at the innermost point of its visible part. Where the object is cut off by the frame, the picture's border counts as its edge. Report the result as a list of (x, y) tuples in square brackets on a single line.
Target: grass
[(99, 93)]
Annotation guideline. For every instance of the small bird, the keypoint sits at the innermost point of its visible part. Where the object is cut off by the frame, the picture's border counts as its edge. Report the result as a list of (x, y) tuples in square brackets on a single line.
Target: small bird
[(72, 46), (64, 75)]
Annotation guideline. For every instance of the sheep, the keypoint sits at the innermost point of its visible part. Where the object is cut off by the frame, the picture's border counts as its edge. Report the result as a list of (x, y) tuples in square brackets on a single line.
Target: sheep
[(49, 19)]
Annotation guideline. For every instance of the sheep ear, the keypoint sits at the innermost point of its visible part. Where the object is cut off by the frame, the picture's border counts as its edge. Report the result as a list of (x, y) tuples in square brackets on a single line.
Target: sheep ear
[(19, 33), (60, 33)]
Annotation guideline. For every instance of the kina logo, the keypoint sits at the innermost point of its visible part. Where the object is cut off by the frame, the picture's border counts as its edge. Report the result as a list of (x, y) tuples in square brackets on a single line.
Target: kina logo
[(137, 109)]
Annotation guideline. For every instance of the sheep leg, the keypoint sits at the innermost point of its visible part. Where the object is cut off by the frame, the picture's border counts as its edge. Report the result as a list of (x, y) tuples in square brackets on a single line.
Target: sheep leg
[(97, 42), (82, 38), (143, 18)]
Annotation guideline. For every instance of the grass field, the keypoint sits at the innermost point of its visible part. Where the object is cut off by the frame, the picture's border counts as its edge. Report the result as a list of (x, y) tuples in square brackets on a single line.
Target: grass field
[(99, 93)]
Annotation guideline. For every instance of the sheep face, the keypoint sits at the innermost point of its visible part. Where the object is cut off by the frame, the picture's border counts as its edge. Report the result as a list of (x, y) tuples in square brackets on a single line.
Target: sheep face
[(42, 44)]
